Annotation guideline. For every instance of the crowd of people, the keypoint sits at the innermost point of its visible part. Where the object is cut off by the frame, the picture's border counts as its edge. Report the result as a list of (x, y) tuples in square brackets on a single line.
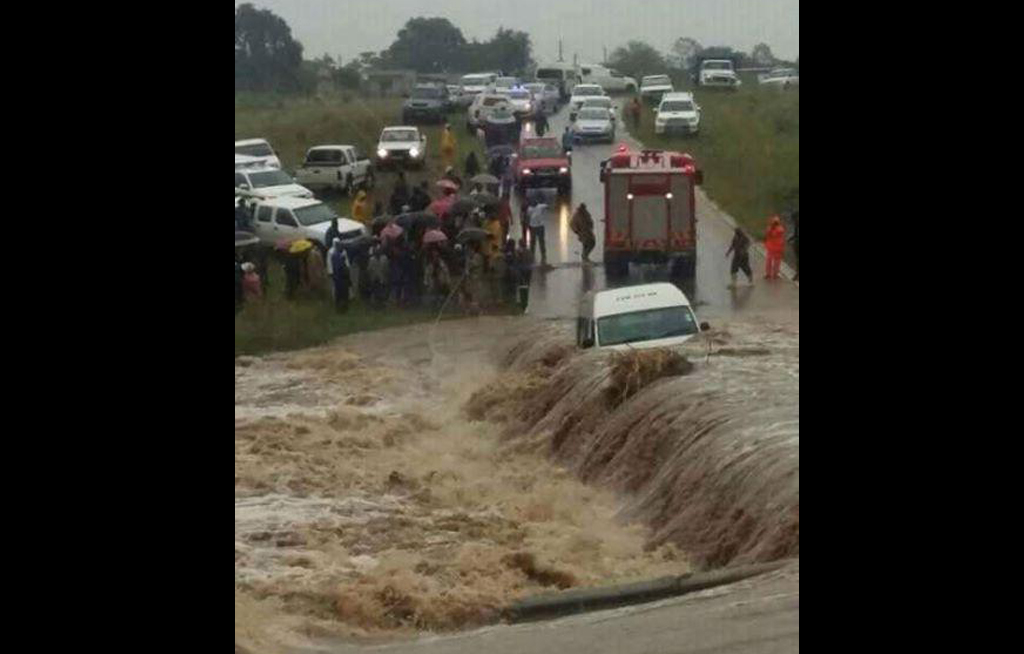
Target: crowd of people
[(421, 250)]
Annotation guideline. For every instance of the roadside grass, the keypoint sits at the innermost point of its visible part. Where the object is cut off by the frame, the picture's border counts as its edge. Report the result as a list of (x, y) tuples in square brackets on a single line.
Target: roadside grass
[(748, 147), (293, 125)]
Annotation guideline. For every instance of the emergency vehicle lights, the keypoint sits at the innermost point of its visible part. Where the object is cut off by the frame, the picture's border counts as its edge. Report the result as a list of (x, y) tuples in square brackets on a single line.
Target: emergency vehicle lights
[(668, 196), (563, 170), (527, 171), (629, 196)]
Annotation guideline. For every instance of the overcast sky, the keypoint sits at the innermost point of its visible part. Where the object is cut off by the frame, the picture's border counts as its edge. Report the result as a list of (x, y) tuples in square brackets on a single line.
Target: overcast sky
[(348, 27)]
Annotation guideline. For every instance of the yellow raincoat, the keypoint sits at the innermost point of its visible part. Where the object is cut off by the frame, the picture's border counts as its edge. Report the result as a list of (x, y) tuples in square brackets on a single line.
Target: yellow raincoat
[(361, 209), (448, 147)]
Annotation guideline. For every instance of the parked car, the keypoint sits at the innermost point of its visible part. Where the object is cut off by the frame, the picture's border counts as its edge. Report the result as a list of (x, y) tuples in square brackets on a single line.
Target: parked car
[(608, 79), (245, 161), (594, 124), (580, 93), (677, 112), (475, 84), (427, 102), (540, 162), (504, 84), (718, 73), (290, 219), (338, 167), (545, 97), (521, 101), (269, 183), (260, 149), (483, 106), (784, 77), (401, 146), (642, 316), (652, 87)]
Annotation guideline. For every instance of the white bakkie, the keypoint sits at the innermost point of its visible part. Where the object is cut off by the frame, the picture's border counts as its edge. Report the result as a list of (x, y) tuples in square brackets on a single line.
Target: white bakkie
[(290, 219), (401, 146), (260, 149), (677, 112), (268, 183), (644, 316), (340, 167)]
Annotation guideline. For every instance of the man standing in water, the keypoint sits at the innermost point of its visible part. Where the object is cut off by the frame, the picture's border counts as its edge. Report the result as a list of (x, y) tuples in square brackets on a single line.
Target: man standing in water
[(740, 249), (583, 226)]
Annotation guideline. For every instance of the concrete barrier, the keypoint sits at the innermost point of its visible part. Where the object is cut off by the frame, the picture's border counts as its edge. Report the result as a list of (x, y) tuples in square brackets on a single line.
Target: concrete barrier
[(592, 599)]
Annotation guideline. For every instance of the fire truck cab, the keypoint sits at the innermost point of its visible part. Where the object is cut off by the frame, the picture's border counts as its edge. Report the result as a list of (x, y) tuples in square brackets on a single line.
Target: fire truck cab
[(650, 212)]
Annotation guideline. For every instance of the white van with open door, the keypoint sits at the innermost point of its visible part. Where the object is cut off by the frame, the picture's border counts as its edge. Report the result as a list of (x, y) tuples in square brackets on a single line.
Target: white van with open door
[(644, 316)]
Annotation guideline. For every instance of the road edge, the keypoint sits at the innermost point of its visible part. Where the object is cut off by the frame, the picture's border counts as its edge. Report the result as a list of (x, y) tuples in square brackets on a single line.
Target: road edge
[(551, 605)]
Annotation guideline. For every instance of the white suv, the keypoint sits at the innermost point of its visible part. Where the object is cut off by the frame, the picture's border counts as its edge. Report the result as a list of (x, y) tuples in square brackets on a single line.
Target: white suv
[(677, 112), (581, 92), (290, 219), (652, 87), (340, 167), (260, 149)]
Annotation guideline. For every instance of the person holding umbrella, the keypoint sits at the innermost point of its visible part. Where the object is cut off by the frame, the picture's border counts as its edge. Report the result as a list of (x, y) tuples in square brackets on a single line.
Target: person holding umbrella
[(420, 199), (453, 177)]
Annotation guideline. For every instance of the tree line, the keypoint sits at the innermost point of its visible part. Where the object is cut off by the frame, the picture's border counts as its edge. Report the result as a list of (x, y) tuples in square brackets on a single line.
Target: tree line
[(268, 57), (637, 58)]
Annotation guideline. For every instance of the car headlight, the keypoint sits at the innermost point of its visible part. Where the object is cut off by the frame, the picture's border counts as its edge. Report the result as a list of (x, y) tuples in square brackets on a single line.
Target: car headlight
[(528, 106), (414, 152), (527, 171), (563, 170), (382, 153)]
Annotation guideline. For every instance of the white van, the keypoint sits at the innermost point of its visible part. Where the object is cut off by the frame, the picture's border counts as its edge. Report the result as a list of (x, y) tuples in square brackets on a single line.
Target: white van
[(644, 316), (610, 80), (561, 75)]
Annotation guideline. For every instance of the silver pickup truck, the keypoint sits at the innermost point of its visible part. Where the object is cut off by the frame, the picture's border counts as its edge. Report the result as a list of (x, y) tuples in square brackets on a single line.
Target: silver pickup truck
[(336, 167)]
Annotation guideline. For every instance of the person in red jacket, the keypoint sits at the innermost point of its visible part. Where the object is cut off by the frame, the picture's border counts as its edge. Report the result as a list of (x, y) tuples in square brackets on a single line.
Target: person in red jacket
[(775, 244)]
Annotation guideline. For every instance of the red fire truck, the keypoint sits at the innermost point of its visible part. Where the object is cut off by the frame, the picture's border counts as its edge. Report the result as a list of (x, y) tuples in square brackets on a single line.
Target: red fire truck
[(650, 214)]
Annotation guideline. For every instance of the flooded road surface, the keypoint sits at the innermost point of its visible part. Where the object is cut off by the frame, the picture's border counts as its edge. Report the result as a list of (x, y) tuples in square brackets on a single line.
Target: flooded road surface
[(555, 293)]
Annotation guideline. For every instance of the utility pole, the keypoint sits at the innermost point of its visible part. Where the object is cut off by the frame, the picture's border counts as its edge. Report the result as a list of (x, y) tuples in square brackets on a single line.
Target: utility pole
[(559, 49), (605, 60)]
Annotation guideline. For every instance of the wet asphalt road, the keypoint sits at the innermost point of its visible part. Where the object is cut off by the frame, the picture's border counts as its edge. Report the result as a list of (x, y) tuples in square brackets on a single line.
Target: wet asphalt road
[(555, 293)]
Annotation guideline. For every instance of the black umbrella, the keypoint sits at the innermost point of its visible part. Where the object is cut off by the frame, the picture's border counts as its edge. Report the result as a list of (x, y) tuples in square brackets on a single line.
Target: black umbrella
[(462, 206), (486, 200), (414, 219), (359, 242), (472, 234)]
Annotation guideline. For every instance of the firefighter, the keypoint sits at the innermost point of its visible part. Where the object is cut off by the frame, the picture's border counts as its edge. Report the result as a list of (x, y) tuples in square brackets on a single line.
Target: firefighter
[(775, 245), (583, 226)]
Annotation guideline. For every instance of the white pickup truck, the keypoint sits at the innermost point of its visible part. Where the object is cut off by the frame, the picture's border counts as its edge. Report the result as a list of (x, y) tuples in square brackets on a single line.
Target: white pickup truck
[(337, 167), (290, 218), (401, 146), (718, 73)]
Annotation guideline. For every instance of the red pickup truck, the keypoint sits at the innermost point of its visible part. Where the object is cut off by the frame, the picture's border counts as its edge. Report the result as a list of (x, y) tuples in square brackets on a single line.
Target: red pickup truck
[(541, 163)]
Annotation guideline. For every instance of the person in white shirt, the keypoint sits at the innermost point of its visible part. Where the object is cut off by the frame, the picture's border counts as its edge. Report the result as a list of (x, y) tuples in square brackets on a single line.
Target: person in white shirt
[(538, 215)]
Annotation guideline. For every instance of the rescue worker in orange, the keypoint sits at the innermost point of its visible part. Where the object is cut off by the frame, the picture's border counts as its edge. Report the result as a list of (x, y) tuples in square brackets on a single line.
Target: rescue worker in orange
[(775, 245)]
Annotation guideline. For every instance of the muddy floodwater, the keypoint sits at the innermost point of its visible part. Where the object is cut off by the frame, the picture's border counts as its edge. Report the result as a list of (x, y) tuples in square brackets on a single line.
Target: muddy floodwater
[(419, 479)]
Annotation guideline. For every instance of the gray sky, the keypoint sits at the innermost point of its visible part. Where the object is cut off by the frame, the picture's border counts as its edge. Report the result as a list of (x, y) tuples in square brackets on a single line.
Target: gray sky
[(348, 27)]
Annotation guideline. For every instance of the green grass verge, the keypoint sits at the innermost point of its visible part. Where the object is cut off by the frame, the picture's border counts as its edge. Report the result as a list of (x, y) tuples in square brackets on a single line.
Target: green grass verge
[(748, 147)]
